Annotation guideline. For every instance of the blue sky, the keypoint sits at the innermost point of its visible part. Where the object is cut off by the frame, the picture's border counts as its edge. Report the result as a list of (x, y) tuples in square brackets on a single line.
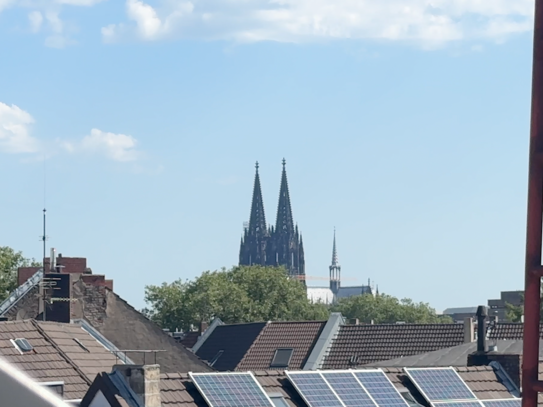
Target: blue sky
[(404, 125)]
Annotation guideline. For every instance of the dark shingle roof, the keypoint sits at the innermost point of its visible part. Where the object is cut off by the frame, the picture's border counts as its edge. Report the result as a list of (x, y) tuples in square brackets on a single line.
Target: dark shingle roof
[(54, 356), (366, 344), (508, 330), (234, 340), (300, 336), (178, 390)]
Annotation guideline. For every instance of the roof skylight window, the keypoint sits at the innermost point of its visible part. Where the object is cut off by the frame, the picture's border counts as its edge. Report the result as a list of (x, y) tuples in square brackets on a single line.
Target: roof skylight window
[(281, 358), (23, 345)]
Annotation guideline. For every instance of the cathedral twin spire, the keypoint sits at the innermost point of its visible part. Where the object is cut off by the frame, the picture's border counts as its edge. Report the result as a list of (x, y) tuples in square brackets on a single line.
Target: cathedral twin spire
[(281, 246)]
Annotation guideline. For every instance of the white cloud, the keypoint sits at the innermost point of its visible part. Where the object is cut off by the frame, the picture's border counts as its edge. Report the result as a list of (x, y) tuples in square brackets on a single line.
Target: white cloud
[(422, 21), (14, 130), (148, 24), (36, 19), (117, 147)]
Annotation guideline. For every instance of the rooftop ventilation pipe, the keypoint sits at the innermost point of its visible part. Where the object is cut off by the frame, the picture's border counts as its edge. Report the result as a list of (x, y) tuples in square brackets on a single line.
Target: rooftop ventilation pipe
[(482, 315)]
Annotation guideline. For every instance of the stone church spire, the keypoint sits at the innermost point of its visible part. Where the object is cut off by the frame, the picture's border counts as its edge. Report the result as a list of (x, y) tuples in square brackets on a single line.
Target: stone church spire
[(284, 222), (279, 246), (257, 219), (254, 242), (335, 269)]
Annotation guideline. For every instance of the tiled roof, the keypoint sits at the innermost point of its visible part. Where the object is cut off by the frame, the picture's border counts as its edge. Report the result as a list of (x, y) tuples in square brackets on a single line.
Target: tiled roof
[(508, 330), (300, 336), (177, 390), (55, 355), (45, 363), (92, 357), (234, 340), (364, 344)]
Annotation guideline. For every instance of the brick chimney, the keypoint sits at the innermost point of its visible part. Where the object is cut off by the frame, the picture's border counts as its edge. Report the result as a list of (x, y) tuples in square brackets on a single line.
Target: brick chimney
[(144, 380)]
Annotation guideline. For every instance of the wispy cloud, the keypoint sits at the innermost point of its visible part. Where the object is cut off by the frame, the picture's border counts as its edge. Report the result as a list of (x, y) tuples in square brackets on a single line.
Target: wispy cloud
[(15, 138), (36, 20), (117, 147), (15, 135), (422, 21)]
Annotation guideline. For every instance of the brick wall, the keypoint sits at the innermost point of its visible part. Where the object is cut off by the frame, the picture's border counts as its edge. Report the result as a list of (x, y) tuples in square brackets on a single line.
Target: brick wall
[(511, 363), (71, 265), (24, 273)]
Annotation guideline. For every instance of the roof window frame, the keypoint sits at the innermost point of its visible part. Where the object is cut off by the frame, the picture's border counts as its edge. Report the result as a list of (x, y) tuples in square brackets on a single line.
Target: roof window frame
[(275, 364), (20, 346)]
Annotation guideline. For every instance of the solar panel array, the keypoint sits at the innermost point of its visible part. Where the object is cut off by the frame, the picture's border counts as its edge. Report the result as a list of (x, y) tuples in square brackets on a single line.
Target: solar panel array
[(502, 403), (474, 403), (442, 387), (380, 388), (314, 389), (346, 388), (231, 390), (440, 384)]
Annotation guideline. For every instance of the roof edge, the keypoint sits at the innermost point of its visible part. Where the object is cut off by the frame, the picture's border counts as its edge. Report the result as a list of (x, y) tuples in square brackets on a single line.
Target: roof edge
[(330, 330), (207, 333)]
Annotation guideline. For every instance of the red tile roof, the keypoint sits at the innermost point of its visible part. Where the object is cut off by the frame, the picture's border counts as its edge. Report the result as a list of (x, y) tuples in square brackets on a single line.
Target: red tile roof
[(300, 336), (363, 344)]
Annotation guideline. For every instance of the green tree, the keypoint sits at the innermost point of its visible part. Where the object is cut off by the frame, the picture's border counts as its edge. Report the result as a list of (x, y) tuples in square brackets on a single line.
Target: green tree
[(387, 309), (241, 294), (10, 261)]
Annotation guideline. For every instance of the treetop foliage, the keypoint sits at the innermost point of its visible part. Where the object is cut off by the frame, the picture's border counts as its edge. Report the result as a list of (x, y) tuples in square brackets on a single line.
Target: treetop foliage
[(257, 293), (10, 261)]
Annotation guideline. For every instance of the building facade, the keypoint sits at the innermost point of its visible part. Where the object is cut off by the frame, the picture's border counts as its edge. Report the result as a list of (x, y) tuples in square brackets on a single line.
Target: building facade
[(281, 245)]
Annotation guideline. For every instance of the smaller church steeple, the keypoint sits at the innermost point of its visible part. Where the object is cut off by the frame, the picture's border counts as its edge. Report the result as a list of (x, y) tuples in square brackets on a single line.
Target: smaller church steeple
[(335, 269)]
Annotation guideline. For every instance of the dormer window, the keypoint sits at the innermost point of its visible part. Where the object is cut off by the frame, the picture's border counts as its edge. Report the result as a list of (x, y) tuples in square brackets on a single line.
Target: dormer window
[(22, 345)]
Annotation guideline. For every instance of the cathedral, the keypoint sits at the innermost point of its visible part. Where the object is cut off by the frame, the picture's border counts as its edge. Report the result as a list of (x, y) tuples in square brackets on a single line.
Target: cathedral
[(281, 245)]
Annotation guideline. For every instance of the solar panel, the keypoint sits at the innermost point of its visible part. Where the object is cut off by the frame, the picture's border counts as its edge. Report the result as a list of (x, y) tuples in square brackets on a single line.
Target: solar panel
[(502, 403), (459, 404), (314, 389), (380, 388), (231, 390), (440, 384), (348, 389)]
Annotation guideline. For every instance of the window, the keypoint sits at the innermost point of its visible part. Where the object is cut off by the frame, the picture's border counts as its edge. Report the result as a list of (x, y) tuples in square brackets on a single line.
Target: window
[(55, 387), (281, 358), (23, 345), (278, 400), (216, 357)]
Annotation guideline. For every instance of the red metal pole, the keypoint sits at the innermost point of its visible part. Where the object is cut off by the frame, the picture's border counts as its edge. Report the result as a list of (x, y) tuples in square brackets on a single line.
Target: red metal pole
[(532, 294)]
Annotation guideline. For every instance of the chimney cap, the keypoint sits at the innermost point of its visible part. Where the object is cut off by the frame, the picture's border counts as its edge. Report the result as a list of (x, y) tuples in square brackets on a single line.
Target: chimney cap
[(481, 311)]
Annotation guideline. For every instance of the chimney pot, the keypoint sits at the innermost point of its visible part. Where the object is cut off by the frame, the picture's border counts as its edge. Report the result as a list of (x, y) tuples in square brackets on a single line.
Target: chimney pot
[(469, 332), (482, 315)]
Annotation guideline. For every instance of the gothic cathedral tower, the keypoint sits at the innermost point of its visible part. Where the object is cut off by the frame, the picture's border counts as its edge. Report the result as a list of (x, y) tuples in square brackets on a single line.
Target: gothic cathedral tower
[(279, 246)]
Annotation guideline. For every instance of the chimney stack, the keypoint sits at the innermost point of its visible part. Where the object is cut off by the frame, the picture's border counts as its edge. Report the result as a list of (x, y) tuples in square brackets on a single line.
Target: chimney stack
[(482, 315), (469, 333), (144, 380)]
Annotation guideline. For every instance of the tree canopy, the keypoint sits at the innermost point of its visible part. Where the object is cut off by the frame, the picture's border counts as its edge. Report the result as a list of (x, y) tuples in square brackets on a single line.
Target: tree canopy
[(387, 309), (256, 293), (241, 294), (10, 261)]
